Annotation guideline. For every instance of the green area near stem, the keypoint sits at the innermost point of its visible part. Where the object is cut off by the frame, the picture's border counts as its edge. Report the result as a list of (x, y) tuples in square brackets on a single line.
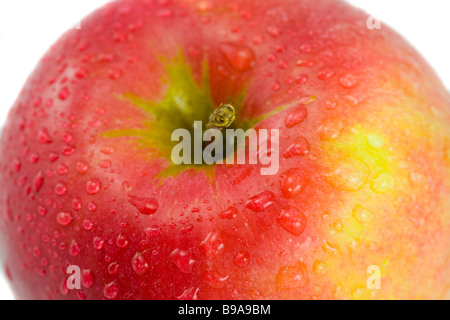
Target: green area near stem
[(184, 102)]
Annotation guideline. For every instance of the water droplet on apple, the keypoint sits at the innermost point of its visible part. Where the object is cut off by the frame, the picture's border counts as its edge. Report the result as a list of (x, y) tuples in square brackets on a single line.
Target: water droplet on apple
[(153, 231), (88, 224), (383, 183), (301, 79), (189, 294), (361, 214), (242, 259), (325, 74), (114, 74), (64, 93), (64, 218), (182, 259), (121, 241), (68, 150), (74, 249), (276, 86), (300, 147), (229, 213), (213, 244), (82, 167), (330, 129), (338, 225), (98, 242), (261, 201), (292, 182), (43, 136), (146, 206), (273, 31), (240, 57), (87, 278), (292, 220), (296, 117), (348, 81), (320, 268), (139, 264), (38, 181), (293, 277), (330, 248), (111, 290), (348, 175), (60, 188), (113, 267), (93, 186), (214, 279)]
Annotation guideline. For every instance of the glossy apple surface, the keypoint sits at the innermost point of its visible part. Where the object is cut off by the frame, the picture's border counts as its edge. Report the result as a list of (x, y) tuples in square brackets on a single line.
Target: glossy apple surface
[(363, 182)]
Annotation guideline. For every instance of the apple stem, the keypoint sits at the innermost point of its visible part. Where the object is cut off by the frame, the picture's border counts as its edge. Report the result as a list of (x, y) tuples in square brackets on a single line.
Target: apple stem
[(222, 117)]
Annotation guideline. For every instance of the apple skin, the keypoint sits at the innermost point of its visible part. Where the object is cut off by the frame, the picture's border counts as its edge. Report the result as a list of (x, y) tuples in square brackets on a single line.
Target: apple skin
[(364, 175)]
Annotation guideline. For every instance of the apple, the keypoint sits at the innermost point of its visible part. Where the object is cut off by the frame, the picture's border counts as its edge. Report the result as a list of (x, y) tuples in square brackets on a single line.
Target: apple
[(358, 209)]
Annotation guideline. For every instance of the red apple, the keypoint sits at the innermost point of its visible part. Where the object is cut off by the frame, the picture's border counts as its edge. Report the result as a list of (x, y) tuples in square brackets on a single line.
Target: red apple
[(364, 175)]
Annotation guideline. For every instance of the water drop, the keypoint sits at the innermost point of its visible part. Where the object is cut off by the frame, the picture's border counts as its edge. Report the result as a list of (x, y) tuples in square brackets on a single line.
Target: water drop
[(93, 186), (88, 224), (76, 204), (301, 79), (64, 218), (189, 294), (375, 140), (292, 220), (182, 259), (229, 213), (87, 278), (74, 249), (273, 31), (330, 248), (153, 231), (293, 277), (121, 241), (68, 150), (213, 244), (361, 214), (325, 74), (98, 243), (214, 279), (261, 201), (139, 264), (330, 129), (383, 183), (113, 267), (338, 225), (114, 74), (111, 290), (146, 206), (292, 182), (60, 188), (63, 93), (348, 81), (82, 167), (348, 175), (241, 58), (300, 147), (296, 117), (320, 268), (242, 259), (38, 181), (43, 136)]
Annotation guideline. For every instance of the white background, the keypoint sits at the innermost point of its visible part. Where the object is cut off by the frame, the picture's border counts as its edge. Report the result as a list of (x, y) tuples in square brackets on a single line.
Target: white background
[(29, 27)]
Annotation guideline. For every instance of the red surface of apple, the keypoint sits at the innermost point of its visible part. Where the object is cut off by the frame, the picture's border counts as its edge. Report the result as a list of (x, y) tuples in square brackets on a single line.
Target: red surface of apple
[(364, 175)]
